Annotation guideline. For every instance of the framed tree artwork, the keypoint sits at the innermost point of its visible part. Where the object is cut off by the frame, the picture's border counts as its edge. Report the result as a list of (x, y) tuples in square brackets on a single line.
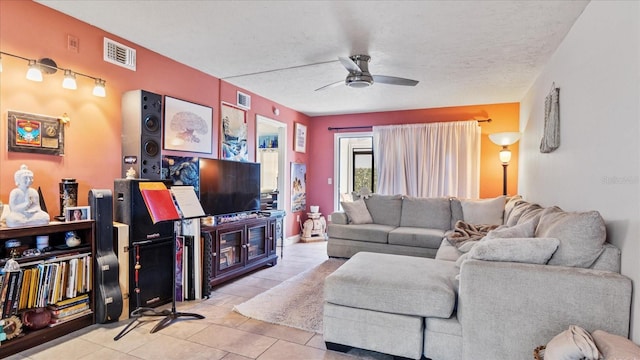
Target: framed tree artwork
[(187, 126)]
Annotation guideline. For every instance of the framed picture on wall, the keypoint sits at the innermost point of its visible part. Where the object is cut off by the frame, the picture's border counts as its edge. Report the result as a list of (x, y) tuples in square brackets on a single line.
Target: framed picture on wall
[(300, 141), (187, 126), (298, 187), (37, 134), (234, 133)]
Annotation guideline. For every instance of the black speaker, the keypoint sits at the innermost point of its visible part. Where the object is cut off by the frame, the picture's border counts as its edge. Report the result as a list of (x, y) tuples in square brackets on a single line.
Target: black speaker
[(130, 209), (106, 267), (142, 134), (155, 273)]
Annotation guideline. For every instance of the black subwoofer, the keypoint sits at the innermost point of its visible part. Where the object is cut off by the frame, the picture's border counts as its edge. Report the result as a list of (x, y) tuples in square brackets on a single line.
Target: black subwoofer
[(142, 134), (130, 209)]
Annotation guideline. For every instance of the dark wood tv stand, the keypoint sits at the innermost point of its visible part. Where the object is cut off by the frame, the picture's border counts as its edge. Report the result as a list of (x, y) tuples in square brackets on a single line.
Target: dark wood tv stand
[(243, 245)]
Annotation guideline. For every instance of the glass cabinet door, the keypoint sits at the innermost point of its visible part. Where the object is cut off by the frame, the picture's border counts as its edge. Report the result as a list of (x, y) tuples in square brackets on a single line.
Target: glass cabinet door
[(257, 241), (230, 248)]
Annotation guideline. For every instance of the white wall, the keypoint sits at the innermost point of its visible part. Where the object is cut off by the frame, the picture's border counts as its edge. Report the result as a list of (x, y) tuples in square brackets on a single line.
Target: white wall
[(597, 166)]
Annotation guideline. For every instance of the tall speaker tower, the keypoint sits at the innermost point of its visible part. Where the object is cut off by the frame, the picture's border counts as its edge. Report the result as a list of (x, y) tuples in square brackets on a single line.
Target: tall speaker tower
[(142, 134)]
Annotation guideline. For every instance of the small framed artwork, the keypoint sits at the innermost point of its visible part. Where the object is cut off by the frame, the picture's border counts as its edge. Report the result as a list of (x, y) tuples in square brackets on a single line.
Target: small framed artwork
[(36, 134), (77, 213), (234, 133), (300, 141), (187, 126), (298, 187)]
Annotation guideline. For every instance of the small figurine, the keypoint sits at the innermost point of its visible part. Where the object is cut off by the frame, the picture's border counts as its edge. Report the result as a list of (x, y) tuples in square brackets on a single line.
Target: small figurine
[(24, 202), (131, 173)]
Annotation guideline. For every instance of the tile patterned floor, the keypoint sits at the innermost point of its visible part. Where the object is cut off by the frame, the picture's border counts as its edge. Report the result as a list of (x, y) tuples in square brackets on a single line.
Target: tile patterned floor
[(223, 334)]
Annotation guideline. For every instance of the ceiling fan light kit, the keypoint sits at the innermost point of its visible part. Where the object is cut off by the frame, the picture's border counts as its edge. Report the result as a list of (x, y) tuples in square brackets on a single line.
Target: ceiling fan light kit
[(360, 77)]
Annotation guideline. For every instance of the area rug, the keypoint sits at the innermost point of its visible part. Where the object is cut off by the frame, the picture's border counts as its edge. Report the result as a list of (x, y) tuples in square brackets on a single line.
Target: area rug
[(296, 302)]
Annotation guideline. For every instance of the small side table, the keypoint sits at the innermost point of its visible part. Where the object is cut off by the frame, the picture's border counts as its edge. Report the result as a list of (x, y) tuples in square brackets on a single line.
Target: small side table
[(314, 228)]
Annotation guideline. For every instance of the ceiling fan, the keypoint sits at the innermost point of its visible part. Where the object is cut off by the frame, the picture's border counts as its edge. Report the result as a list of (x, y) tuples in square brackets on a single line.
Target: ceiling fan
[(360, 77)]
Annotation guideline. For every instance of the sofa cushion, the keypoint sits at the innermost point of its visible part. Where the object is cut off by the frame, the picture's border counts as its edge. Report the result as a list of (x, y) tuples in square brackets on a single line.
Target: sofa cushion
[(365, 232), (447, 252), (483, 211), (385, 209), (434, 213), (357, 212), (456, 211), (524, 230), (523, 250), (416, 236), (519, 210), (394, 284), (511, 203), (532, 213), (581, 234)]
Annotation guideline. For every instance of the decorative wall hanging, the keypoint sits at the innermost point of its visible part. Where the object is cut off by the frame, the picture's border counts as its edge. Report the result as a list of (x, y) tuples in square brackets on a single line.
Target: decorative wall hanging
[(234, 134), (298, 187), (551, 136), (182, 170), (187, 126), (37, 134), (300, 141)]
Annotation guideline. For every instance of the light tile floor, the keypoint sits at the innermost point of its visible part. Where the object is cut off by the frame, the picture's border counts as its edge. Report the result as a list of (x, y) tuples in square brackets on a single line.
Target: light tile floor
[(223, 334)]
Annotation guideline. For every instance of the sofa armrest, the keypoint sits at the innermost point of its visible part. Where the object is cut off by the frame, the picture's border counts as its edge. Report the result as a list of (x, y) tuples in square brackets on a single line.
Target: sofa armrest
[(508, 309), (339, 217)]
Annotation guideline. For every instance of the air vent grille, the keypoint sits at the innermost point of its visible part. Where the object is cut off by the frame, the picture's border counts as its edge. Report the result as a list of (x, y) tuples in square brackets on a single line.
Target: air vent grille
[(118, 54), (244, 100)]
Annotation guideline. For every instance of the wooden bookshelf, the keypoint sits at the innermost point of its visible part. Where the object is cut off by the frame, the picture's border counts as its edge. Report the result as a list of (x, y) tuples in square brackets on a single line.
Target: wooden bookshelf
[(60, 253)]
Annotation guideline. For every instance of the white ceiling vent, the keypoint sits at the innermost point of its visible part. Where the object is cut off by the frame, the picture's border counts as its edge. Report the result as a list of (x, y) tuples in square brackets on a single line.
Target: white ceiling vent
[(244, 100), (118, 54)]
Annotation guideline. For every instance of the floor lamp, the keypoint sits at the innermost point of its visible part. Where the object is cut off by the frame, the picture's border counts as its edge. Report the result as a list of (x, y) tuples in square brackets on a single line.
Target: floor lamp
[(505, 139)]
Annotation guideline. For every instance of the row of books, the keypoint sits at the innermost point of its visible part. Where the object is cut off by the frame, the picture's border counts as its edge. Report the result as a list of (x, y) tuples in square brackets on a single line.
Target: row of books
[(69, 309), (45, 283)]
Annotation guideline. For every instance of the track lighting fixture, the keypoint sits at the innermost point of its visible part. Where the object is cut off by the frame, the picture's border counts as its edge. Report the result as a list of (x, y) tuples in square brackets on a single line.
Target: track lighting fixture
[(48, 66)]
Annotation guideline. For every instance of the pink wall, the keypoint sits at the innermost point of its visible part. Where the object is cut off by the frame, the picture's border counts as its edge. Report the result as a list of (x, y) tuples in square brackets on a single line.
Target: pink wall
[(265, 107), (93, 138), (504, 118)]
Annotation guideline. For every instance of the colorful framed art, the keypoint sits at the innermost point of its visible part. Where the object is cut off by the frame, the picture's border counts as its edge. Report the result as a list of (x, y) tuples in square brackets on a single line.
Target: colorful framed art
[(234, 133), (37, 134)]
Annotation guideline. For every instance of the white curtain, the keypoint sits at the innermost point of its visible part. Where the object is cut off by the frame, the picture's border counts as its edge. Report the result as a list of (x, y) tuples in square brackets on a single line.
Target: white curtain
[(428, 160)]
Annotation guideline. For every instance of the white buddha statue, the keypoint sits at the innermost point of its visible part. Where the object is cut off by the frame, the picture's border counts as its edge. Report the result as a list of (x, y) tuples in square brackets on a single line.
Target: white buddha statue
[(24, 202)]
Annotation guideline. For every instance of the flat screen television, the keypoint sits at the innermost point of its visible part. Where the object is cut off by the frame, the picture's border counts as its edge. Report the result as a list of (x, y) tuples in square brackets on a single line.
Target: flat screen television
[(228, 187)]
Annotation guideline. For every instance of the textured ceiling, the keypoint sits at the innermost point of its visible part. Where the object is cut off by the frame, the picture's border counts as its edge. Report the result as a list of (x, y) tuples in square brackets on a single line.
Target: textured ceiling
[(462, 52)]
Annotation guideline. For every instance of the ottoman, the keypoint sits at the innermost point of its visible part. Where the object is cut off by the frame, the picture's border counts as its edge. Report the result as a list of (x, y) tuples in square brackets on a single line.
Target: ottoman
[(379, 301)]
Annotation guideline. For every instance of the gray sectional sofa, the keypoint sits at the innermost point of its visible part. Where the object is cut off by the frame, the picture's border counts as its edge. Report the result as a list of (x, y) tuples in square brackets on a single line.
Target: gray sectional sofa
[(540, 271)]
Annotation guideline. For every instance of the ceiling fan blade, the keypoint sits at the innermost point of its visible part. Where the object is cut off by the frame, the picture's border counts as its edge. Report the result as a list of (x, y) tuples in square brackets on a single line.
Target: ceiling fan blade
[(349, 64), (335, 84), (391, 80)]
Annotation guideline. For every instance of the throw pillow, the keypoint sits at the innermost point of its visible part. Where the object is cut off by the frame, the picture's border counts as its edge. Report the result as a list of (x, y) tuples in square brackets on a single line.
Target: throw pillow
[(357, 212), (483, 211), (529, 250), (615, 346), (573, 343), (524, 230), (581, 234)]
